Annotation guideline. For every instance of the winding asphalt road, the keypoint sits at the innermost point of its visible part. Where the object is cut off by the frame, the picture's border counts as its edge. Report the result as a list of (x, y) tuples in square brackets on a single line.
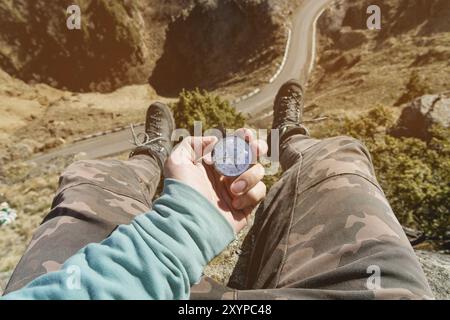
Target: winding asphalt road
[(299, 63), (301, 56)]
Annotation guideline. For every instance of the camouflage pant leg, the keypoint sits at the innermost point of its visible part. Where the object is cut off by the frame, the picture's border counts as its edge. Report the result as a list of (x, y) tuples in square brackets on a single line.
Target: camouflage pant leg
[(326, 231), (93, 198)]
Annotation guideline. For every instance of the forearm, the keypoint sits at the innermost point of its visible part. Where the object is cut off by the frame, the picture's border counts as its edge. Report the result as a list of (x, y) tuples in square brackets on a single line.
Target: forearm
[(160, 255)]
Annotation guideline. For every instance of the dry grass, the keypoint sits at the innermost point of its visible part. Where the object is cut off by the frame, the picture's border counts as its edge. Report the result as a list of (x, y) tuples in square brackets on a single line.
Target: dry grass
[(351, 78), (29, 190)]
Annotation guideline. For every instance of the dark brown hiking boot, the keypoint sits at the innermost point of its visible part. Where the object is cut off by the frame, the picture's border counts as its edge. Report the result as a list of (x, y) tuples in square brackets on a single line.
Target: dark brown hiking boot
[(156, 140), (288, 110)]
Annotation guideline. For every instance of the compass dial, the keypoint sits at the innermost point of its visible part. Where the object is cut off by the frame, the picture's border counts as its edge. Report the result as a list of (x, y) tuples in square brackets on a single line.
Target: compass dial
[(232, 156)]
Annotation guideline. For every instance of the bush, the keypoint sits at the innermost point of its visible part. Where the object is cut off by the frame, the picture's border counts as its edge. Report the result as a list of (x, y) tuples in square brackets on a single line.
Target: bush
[(415, 88), (210, 110), (414, 174)]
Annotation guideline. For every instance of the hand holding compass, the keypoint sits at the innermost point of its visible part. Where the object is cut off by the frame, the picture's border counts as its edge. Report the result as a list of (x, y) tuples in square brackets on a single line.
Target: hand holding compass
[(232, 181)]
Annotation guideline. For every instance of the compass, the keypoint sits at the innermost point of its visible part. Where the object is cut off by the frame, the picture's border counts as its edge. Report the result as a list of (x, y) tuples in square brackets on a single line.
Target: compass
[(232, 156)]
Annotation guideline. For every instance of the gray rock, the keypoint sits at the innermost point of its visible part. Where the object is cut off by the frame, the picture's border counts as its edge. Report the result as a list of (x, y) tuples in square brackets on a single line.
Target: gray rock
[(437, 269), (421, 114)]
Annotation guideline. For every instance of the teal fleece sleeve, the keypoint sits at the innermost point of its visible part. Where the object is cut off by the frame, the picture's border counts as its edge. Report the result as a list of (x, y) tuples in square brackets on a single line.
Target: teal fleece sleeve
[(160, 255)]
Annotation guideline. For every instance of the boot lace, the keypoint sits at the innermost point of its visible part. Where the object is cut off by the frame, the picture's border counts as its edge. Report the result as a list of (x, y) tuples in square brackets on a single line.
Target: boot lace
[(152, 136), (290, 107)]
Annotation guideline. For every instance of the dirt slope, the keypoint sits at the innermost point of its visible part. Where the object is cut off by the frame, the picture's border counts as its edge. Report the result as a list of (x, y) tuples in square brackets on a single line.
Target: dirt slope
[(359, 69)]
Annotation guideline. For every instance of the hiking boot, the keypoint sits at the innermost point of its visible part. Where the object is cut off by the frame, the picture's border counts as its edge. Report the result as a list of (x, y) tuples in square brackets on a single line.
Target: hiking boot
[(288, 110), (156, 140)]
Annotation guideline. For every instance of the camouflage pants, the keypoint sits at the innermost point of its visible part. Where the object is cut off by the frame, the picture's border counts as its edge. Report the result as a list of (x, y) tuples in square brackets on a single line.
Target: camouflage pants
[(325, 230)]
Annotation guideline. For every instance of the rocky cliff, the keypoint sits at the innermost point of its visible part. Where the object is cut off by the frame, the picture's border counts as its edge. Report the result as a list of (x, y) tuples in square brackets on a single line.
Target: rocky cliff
[(177, 43), (358, 68)]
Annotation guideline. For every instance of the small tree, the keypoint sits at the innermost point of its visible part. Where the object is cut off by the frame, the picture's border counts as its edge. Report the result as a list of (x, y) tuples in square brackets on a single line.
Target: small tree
[(210, 110)]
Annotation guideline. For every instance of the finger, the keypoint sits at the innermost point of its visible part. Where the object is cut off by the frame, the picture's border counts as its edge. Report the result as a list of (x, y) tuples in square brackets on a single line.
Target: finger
[(248, 180), (182, 154), (246, 134), (259, 148), (252, 198), (208, 150), (200, 147), (191, 150)]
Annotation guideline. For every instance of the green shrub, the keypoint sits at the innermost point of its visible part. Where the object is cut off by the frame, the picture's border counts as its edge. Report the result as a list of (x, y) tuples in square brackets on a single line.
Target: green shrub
[(414, 174), (210, 110)]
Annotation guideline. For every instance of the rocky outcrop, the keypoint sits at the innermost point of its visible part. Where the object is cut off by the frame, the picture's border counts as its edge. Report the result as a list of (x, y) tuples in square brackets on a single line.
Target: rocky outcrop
[(423, 16), (437, 269), (37, 46), (420, 115), (181, 43), (215, 40)]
